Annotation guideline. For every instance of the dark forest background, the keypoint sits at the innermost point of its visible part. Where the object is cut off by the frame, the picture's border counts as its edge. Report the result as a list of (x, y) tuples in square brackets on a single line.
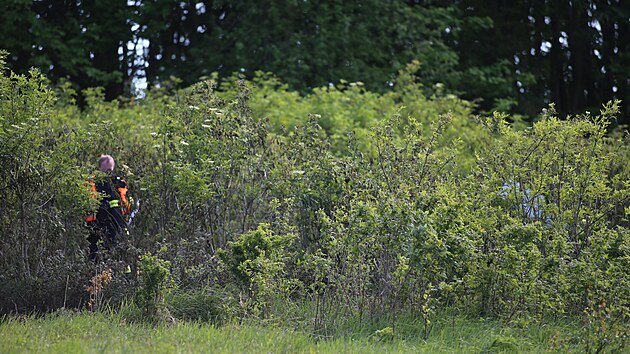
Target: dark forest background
[(514, 56)]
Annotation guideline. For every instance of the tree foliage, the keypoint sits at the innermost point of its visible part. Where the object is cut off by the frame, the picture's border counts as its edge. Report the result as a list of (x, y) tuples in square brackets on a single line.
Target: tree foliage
[(84, 42), (571, 53), (509, 57)]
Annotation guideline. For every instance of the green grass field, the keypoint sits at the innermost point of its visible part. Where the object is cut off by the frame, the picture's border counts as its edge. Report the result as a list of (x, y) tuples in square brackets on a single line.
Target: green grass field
[(108, 333)]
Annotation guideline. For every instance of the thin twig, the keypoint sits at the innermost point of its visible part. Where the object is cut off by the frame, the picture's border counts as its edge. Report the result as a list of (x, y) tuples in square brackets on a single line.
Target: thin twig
[(65, 294)]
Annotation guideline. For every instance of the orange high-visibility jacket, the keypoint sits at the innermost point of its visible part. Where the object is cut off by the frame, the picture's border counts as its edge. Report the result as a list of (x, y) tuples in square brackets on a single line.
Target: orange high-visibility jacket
[(115, 204)]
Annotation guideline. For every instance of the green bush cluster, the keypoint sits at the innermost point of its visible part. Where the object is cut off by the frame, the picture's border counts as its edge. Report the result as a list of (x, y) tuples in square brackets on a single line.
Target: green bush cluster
[(155, 275), (359, 205)]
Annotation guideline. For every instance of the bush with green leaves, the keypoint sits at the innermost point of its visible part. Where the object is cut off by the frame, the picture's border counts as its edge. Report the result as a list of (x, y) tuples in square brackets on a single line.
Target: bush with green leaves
[(549, 214), (41, 193), (564, 171), (156, 282), (384, 243), (258, 260)]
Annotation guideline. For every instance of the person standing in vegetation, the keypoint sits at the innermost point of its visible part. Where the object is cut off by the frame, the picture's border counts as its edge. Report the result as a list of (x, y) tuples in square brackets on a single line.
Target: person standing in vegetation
[(110, 219)]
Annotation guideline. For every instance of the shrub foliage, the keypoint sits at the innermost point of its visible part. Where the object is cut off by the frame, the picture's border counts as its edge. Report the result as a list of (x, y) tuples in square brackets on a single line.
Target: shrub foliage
[(358, 203)]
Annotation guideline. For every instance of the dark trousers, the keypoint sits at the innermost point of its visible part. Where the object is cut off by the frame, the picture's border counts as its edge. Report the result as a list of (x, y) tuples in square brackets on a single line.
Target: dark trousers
[(103, 233)]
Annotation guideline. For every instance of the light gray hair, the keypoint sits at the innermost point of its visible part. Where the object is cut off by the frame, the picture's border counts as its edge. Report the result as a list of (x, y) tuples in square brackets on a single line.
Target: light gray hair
[(106, 163)]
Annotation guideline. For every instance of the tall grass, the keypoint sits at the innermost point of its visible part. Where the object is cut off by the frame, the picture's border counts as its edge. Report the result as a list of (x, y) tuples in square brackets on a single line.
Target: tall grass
[(111, 332)]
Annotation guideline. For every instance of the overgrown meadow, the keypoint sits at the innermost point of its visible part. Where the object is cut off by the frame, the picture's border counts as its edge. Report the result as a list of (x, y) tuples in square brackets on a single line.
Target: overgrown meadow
[(340, 206)]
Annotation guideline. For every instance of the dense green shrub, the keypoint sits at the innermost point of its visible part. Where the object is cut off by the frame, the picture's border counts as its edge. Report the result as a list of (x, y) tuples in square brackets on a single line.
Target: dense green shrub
[(343, 203), (41, 193), (156, 281), (258, 260)]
